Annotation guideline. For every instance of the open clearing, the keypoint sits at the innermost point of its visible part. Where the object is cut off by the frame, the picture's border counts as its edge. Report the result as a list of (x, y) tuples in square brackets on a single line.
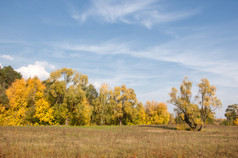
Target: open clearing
[(116, 141)]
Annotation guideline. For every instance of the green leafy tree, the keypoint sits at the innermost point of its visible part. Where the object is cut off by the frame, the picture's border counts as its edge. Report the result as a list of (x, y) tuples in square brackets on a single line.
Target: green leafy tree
[(91, 94), (55, 95), (7, 77), (67, 95), (232, 114), (78, 106), (3, 97)]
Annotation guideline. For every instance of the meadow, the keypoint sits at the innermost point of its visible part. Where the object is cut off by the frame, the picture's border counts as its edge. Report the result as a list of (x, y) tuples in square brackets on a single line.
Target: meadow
[(117, 141)]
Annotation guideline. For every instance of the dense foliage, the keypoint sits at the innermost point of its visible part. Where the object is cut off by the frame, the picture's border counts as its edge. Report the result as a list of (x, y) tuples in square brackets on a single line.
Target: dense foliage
[(66, 98)]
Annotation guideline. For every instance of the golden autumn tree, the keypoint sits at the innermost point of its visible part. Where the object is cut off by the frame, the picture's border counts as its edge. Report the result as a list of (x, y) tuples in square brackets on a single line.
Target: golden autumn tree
[(39, 107), (101, 105), (2, 114), (117, 104), (17, 95), (207, 100), (125, 102), (27, 103), (139, 116), (44, 113), (156, 113), (190, 112), (185, 108)]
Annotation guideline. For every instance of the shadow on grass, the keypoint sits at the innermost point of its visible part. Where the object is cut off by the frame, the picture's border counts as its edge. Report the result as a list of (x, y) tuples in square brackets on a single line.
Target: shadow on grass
[(159, 126)]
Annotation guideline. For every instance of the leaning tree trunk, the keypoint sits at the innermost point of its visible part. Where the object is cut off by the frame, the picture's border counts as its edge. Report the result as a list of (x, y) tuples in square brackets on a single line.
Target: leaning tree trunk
[(192, 126), (200, 128), (191, 123)]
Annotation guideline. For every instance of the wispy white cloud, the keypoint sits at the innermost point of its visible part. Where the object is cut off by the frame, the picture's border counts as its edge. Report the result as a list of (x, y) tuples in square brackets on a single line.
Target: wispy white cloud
[(38, 69), (122, 77), (6, 57), (147, 13), (197, 52), (107, 48)]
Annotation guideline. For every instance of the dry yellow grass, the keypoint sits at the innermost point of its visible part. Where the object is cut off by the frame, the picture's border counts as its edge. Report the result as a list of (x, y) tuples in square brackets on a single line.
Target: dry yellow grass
[(115, 141)]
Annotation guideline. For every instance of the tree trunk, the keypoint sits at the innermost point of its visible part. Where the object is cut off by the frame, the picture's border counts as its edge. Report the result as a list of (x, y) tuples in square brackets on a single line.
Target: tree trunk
[(101, 121), (204, 124), (192, 125), (120, 122), (200, 128), (67, 121)]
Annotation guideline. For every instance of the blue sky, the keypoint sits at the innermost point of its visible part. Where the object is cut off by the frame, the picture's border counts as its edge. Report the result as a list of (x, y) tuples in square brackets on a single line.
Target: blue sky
[(149, 45)]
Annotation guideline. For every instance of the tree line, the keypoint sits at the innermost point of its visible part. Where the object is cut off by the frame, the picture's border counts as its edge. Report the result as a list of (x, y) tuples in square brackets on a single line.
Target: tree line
[(67, 98)]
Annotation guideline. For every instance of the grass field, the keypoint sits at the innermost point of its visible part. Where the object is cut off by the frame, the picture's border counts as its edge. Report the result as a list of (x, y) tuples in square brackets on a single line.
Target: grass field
[(115, 141)]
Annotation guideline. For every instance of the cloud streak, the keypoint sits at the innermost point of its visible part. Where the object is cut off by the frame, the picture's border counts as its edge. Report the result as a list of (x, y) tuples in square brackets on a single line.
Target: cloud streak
[(194, 52), (7, 57), (146, 13)]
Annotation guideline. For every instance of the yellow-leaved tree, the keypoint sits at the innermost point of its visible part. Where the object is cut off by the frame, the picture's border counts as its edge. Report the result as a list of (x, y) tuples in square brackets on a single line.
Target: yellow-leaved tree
[(101, 105), (17, 95), (208, 100), (156, 113), (186, 110), (125, 101), (2, 114), (139, 116), (42, 112), (27, 104)]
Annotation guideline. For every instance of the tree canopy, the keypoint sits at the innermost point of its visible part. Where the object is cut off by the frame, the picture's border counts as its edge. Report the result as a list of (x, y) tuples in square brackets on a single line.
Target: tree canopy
[(67, 98)]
